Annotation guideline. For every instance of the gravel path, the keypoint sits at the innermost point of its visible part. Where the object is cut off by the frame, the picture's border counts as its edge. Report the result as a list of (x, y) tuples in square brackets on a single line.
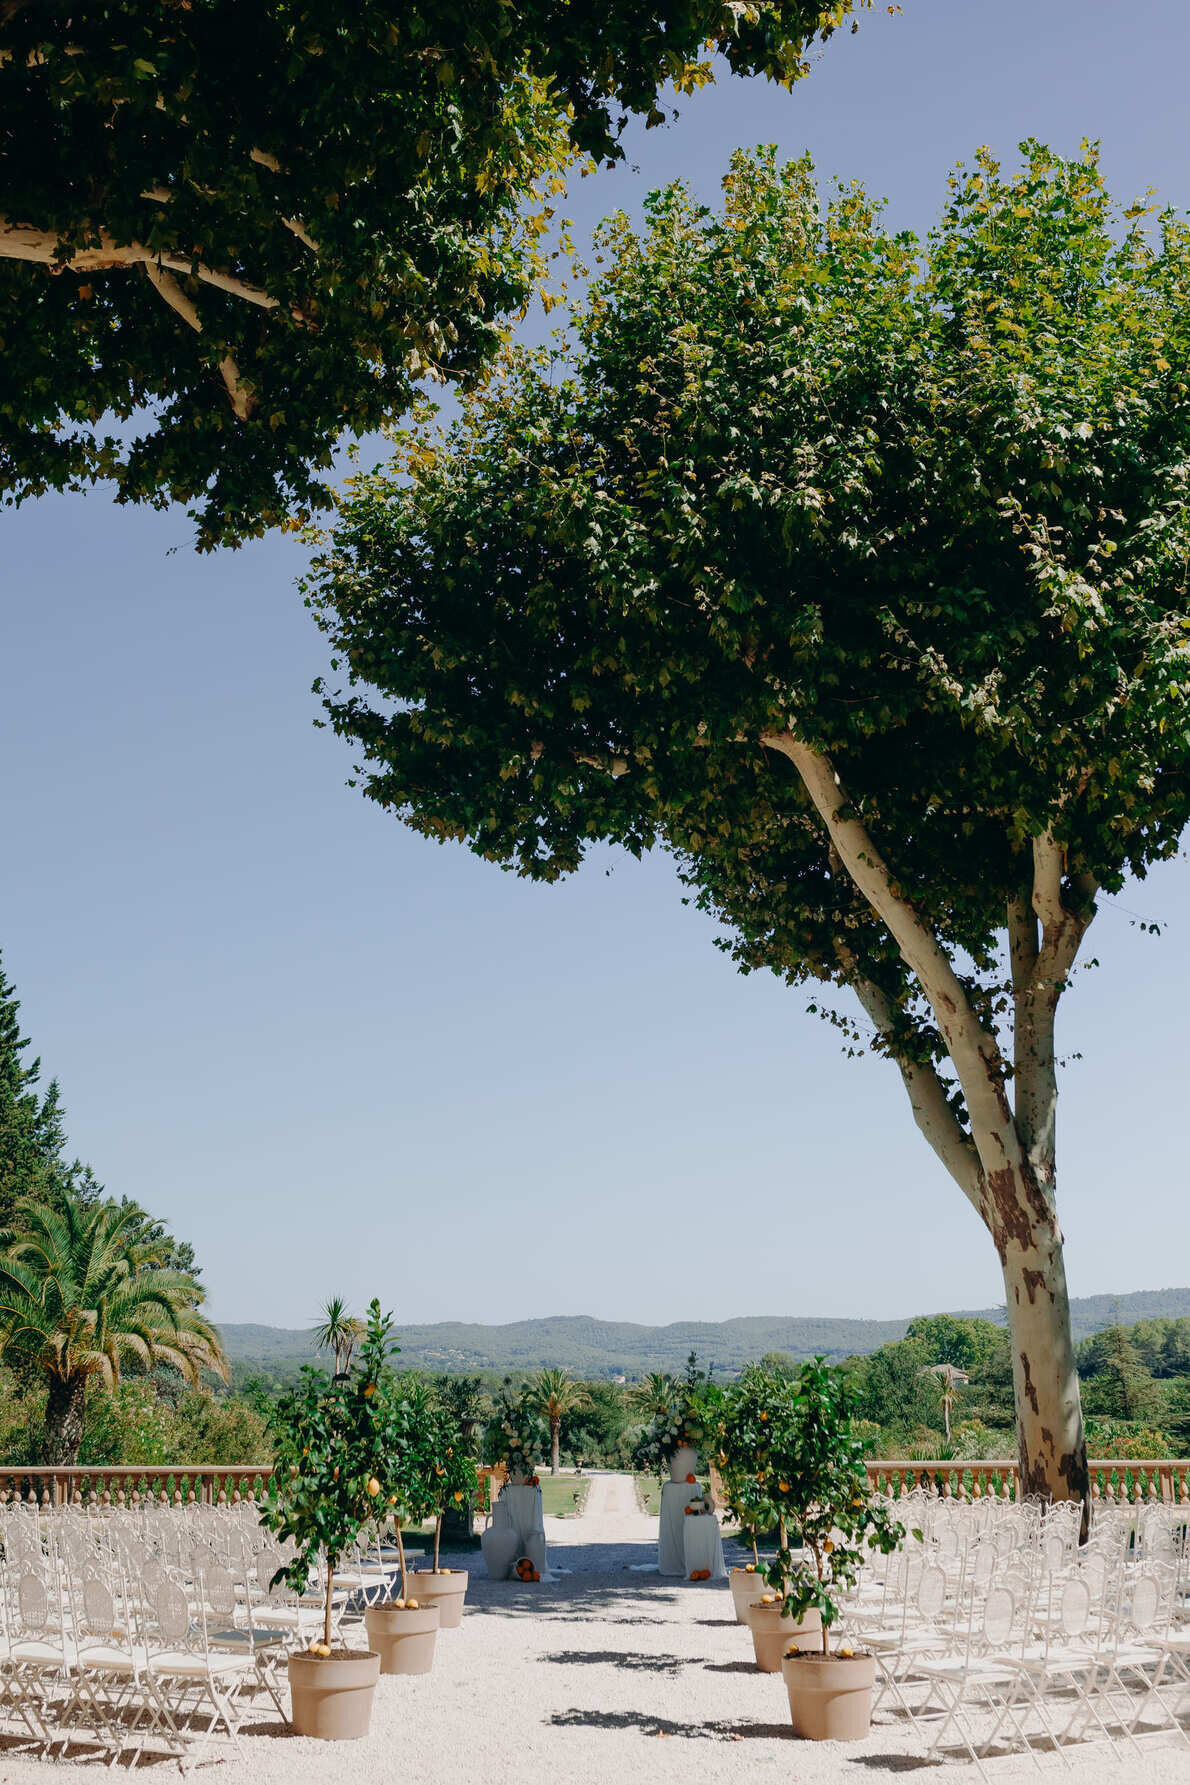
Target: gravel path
[(599, 1676)]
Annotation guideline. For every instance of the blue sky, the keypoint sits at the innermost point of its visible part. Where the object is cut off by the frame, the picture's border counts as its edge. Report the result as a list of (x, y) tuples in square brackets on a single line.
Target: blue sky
[(339, 1058)]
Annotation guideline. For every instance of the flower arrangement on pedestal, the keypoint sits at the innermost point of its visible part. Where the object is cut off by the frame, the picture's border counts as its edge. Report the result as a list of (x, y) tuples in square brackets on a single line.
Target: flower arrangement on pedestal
[(517, 1434), (682, 1411)]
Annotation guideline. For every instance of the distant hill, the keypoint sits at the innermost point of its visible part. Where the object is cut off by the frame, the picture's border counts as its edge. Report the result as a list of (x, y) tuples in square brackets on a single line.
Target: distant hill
[(598, 1348)]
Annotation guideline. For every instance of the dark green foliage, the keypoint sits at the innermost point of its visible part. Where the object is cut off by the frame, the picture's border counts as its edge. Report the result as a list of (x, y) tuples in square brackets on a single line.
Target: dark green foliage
[(333, 203), (594, 1432), (891, 1387), (965, 1341), (1117, 1384), (33, 1162)]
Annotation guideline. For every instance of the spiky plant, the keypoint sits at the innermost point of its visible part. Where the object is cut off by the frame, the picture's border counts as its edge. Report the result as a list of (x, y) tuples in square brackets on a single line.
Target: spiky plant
[(81, 1297)]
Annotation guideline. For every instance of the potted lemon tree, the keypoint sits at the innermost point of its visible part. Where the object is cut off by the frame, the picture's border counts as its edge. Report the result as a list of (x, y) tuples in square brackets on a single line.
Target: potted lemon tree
[(825, 1492), (451, 1485), (403, 1628), (331, 1444), (742, 1433)]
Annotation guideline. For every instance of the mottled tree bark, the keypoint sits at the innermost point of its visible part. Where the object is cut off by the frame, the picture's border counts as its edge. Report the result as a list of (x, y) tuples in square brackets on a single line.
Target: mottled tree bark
[(1004, 1161)]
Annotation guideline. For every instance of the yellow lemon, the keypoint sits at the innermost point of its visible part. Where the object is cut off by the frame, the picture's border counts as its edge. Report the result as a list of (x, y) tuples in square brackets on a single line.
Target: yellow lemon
[(373, 1487), (411, 1605), (829, 1547)]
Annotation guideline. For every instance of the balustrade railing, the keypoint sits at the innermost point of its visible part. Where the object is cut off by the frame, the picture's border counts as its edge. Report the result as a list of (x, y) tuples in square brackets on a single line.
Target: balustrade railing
[(180, 1484), (132, 1484), (1114, 1482), (1130, 1482)]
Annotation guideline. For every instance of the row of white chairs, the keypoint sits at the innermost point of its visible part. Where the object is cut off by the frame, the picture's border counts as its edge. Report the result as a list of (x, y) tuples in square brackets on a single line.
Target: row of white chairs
[(155, 1629), (993, 1625)]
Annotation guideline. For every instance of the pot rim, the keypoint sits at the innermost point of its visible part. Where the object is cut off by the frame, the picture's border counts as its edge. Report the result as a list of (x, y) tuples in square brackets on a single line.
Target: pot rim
[(802, 1657), (302, 1656), (402, 1611)]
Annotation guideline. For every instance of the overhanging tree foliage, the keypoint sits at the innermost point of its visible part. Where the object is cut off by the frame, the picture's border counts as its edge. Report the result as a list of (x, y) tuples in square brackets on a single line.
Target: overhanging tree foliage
[(853, 571), (252, 226)]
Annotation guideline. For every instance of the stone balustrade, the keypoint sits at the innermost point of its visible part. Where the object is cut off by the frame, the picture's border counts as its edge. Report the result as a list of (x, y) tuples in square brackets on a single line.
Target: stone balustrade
[(1113, 1483), (134, 1484)]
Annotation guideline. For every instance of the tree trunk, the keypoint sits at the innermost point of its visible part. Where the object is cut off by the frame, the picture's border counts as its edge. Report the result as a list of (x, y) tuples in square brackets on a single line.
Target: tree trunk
[(555, 1444), (1053, 1446), (64, 1409)]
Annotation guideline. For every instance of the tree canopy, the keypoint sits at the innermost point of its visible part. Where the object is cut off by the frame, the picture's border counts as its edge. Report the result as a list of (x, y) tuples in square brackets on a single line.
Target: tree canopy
[(232, 231), (852, 570)]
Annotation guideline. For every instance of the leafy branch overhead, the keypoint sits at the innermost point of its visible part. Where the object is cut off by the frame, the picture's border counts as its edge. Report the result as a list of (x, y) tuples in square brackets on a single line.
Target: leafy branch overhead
[(249, 228)]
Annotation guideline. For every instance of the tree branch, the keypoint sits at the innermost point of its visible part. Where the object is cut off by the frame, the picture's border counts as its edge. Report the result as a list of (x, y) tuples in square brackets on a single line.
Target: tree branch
[(242, 398), (927, 1099), (19, 242), (1036, 993), (974, 1052)]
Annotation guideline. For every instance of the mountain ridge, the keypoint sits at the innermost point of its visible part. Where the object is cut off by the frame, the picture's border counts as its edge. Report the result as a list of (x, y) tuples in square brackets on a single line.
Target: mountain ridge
[(586, 1345)]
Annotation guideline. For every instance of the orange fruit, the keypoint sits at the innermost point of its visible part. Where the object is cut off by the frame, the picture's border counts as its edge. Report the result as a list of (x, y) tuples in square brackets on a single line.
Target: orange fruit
[(691, 1479)]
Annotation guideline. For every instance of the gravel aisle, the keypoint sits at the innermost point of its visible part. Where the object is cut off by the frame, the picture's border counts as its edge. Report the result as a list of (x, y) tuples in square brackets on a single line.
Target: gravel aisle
[(600, 1677)]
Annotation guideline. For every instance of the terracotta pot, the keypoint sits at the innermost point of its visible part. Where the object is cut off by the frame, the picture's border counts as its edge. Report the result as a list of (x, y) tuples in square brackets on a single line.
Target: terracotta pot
[(746, 1588), (772, 1634), (332, 1696), (446, 1588), (683, 1462), (404, 1639), (830, 1696)]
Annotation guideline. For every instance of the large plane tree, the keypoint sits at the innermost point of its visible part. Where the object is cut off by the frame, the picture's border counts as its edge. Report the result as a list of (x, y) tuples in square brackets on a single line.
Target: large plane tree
[(853, 571), (232, 230)]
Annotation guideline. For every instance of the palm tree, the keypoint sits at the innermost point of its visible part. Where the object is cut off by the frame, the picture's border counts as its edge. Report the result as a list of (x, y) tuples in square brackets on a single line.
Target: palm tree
[(950, 1380), (80, 1296), (340, 1332), (557, 1396), (656, 1394)]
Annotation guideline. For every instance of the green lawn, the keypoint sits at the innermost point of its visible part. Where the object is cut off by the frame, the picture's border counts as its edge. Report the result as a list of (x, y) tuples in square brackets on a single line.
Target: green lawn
[(558, 1494)]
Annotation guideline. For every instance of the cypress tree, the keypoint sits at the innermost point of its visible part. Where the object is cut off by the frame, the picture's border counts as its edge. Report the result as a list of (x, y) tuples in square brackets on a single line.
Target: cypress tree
[(28, 1122)]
